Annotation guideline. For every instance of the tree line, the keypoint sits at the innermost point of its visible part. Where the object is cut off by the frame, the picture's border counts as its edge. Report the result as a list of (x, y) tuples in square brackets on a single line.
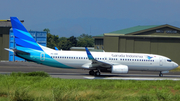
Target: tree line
[(84, 40)]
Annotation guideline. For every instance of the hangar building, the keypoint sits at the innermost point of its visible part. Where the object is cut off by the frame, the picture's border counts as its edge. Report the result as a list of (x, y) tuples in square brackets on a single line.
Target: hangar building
[(5, 25), (154, 39)]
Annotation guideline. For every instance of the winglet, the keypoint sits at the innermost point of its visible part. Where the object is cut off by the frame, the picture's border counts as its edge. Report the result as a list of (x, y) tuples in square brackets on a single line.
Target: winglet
[(56, 48), (89, 54)]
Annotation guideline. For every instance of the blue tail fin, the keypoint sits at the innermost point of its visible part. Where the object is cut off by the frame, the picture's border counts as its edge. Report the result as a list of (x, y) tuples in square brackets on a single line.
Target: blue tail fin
[(23, 38)]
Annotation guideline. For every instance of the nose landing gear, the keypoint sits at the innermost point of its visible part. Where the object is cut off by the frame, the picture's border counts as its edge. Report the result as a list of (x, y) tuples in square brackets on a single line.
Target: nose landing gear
[(160, 74)]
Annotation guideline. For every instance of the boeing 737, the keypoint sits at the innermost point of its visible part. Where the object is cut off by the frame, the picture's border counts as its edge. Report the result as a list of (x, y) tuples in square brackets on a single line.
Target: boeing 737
[(96, 62)]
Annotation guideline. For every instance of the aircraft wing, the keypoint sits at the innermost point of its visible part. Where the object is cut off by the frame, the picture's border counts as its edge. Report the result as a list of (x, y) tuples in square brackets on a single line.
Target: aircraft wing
[(96, 63)]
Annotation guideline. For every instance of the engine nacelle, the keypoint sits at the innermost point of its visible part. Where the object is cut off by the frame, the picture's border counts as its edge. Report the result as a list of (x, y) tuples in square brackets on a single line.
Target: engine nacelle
[(119, 69)]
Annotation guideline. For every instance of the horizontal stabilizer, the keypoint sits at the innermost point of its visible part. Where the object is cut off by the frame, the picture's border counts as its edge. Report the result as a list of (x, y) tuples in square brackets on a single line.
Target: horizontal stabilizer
[(22, 52), (17, 51), (9, 49)]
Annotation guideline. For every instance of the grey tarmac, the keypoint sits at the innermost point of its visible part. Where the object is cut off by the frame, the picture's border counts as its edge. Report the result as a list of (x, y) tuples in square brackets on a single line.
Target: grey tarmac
[(8, 67)]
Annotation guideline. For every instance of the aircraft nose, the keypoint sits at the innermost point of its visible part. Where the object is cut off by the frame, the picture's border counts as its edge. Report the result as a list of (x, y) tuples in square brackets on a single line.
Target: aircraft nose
[(175, 65)]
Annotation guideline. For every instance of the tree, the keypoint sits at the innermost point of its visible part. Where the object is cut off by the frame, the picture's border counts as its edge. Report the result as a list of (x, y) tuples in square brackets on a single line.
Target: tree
[(67, 43), (51, 39), (73, 41), (85, 40), (47, 30)]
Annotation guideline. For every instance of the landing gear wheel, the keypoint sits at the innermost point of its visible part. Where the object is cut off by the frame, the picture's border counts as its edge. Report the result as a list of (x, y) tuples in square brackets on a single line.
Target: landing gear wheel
[(97, 73), (91, 72), (160, 75)]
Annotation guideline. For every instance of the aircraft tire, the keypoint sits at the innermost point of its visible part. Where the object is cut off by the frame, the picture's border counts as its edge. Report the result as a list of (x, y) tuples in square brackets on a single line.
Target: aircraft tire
[(97, 73), (91, 72)]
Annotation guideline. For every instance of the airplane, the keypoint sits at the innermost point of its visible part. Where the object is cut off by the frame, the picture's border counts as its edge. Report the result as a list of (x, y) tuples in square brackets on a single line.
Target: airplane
[(96, 62)]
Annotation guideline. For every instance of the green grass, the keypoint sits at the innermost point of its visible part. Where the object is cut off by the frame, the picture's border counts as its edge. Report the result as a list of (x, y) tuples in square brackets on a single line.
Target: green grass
[(37, 73), (18, 87)]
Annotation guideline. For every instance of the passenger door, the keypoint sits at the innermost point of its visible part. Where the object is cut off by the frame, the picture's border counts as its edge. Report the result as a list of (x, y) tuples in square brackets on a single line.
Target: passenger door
[(42, 56), (160, 61)]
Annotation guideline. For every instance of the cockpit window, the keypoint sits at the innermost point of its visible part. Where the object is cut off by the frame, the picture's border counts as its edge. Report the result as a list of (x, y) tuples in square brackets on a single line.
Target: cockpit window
[(169, 60)]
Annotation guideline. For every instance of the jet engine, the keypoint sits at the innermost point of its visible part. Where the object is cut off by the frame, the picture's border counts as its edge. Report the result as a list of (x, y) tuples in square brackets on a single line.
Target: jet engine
[(119, 69)]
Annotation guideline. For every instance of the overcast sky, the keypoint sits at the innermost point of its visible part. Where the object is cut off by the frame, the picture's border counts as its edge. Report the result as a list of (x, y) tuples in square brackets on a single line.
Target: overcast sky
[(74, 17)]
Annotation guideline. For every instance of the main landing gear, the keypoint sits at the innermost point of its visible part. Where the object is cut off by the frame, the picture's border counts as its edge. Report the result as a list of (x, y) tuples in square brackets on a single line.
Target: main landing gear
[(160, 74), (97, 73)]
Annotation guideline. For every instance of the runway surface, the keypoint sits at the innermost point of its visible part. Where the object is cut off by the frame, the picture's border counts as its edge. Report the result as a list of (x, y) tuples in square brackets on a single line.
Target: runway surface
[(8, 67)]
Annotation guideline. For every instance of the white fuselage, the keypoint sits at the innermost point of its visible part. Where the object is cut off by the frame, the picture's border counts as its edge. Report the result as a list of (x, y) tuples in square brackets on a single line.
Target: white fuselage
[(134, 61)]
